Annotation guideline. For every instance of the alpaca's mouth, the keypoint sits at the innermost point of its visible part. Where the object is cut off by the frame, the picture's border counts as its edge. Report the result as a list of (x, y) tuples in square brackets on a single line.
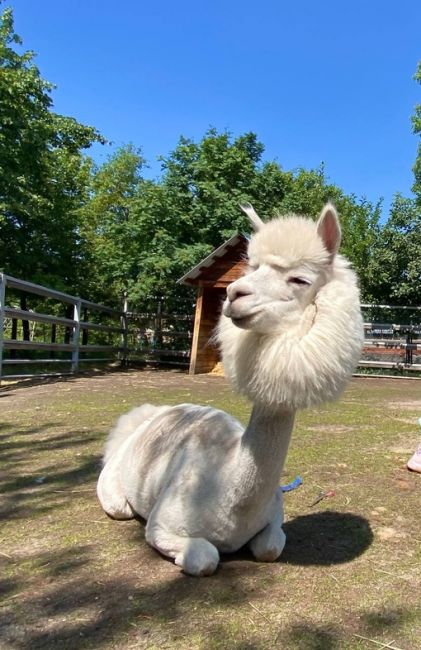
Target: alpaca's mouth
[(241, 319), (240, 312), (244, 321)]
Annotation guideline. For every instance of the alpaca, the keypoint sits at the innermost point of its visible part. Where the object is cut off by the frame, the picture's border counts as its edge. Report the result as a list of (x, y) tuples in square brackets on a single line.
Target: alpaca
[(290, 335)]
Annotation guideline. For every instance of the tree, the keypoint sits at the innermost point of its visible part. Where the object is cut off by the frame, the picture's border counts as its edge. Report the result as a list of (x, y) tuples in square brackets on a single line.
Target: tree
[(112, 236), (143, 235), (416, 124), (204, 183), (133, 241), (43, 174), (394, 272)]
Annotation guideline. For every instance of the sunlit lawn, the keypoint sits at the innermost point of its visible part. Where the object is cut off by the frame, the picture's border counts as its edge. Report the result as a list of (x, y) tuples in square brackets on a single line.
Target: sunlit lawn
[(72, 578)]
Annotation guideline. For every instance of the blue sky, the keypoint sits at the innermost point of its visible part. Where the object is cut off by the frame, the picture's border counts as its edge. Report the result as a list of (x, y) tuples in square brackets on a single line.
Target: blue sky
[(316, 80)]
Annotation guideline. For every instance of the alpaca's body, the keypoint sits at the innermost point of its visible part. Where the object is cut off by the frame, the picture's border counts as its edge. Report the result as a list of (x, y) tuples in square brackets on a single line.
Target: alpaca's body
[(173, 463), (290, 336)]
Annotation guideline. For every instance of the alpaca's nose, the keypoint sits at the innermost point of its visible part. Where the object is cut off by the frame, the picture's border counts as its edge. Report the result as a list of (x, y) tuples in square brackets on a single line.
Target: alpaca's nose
[(237, 290)]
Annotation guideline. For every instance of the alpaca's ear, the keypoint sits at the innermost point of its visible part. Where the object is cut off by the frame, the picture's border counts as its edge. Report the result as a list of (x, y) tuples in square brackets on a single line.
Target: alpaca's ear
[(254, 218), (329, 230)]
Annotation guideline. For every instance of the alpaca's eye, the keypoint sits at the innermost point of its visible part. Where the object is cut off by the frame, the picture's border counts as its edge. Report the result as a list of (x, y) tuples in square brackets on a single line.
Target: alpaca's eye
[(300, 281)]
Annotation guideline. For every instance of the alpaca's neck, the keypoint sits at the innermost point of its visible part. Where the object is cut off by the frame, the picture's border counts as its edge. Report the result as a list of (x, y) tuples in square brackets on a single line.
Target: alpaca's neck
[(262, 453)]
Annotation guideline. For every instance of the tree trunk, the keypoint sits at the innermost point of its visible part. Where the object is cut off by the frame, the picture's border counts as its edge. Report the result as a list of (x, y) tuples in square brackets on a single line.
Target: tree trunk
[(25, 323), (53, 338), (84, 330), (68, 331), (14, 336)]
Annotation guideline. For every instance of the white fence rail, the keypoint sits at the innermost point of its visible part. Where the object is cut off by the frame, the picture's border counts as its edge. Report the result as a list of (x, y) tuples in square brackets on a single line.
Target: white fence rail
[(75, 350)]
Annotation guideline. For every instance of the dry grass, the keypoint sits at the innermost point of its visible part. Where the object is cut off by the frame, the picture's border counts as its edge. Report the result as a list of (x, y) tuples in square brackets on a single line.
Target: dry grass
[(72, 578)]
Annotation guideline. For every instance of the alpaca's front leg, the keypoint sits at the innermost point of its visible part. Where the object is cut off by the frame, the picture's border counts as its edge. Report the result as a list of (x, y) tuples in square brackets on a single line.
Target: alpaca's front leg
[(268, 545), (195, 555)]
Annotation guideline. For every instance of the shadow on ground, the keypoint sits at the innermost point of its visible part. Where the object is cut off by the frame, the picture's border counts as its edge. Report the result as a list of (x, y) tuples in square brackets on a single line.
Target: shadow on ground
[(319, 539), (31, 488), (89, 611), (39, 380), (326, 538), (93, 611), (306, 636), (7, 390)]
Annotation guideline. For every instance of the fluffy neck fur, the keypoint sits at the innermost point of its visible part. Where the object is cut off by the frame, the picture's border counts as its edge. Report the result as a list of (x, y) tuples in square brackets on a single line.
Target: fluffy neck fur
[(308, 360)]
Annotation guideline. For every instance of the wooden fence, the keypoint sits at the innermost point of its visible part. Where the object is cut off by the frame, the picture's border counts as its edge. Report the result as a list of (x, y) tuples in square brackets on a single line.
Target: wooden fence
[(32, 337), (390, 344), (74, 349), (76, 332)]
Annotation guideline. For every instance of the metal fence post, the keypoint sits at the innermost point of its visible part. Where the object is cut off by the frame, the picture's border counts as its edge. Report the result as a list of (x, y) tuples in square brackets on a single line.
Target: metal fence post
[(77, 308), (2, 301), (158, 325), (409, 355), (124, 323)]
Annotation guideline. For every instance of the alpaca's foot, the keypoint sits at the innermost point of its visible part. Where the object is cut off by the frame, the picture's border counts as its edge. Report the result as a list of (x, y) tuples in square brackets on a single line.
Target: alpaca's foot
[(195, 555), (268, 545), (199, 557)]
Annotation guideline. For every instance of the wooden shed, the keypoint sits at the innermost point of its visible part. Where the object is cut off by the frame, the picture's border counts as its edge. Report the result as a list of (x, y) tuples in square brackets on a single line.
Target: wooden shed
[(212, 276)]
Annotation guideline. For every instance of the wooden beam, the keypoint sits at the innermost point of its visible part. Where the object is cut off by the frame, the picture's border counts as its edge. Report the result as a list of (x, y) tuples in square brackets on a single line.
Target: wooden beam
[(196, 331), (207, 355), (216, 284)]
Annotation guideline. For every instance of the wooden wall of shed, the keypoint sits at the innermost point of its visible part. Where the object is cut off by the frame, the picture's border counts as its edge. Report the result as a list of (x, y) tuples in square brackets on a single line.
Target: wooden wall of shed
[(204, 354), (223, 272)]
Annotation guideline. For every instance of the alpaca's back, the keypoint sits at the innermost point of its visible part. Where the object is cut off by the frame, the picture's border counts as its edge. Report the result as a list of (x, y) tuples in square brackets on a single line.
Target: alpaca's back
[(127, 424), (175, 445)]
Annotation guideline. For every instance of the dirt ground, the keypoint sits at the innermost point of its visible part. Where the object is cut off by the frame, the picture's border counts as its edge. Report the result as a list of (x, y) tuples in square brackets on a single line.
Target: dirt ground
[(349, 577)]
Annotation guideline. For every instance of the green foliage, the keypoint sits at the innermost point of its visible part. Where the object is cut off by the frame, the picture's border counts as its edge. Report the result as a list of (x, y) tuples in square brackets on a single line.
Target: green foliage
[(144, 235), (43, 175), (132, 241), (416, 124), (204, 183), (110, 233), (394, 273)]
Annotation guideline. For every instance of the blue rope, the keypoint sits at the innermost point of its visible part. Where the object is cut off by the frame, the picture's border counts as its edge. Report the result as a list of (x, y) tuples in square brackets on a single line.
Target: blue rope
[(291, 486)]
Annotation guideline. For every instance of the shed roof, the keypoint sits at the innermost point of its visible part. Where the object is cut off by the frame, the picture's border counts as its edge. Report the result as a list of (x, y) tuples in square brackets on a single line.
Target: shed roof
[(204, 267)]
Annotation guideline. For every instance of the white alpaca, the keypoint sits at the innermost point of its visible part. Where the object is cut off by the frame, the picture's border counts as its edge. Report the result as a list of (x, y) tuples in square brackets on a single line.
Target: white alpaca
[(290, 334)]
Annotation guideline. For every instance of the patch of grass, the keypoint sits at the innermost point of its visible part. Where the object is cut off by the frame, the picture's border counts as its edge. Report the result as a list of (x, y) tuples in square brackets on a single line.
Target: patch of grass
[(71, 577)]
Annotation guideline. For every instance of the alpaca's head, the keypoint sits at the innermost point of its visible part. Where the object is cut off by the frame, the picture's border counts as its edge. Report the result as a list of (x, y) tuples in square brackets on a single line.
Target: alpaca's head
[(289, 260), (291, 329)]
